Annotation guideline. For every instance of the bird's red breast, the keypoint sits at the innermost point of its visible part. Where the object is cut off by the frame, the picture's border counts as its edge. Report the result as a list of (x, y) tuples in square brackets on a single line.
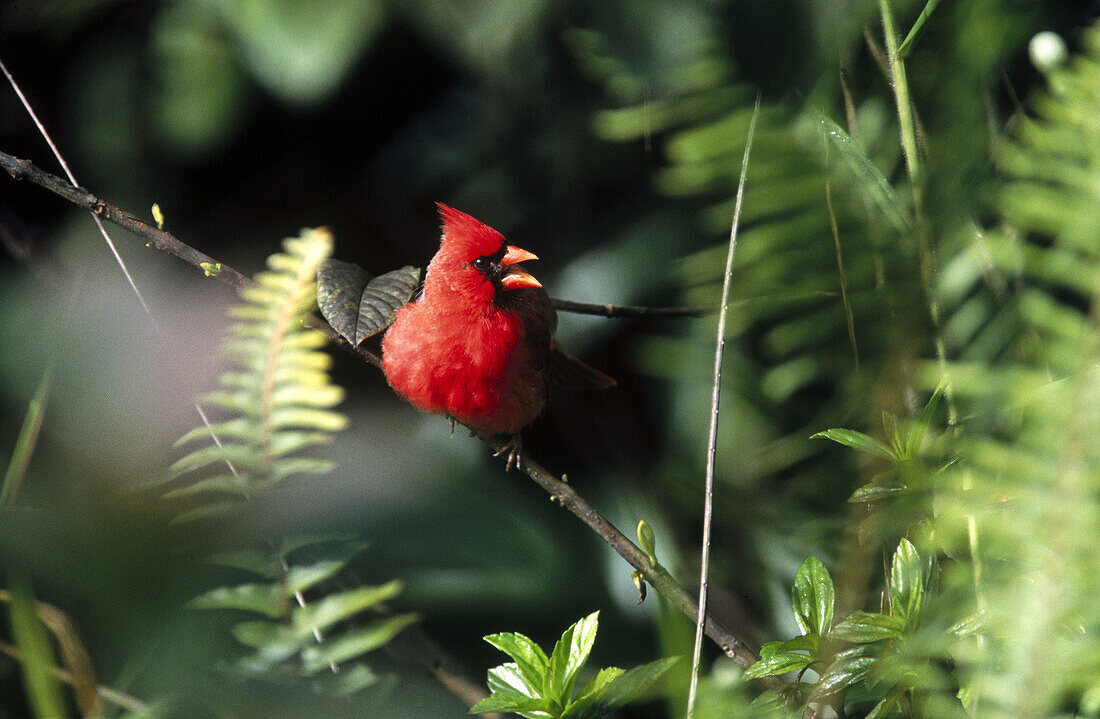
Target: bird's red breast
[(476, 345)]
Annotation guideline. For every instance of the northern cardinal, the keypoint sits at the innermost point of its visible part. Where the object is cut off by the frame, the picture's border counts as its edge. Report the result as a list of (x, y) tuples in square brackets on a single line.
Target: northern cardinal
[(477, 346)]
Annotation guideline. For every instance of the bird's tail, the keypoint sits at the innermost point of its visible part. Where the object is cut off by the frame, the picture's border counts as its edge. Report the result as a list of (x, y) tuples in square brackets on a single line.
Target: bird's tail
[(571, 373)]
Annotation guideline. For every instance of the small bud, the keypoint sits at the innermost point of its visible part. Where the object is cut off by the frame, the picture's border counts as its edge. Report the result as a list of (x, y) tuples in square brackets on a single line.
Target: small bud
[(158, 216), (639, 582), (212, 269), (1047, 51), (647, 541)]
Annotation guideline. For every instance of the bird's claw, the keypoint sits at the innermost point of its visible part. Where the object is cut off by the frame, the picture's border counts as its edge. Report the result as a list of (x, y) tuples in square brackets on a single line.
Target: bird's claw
[(452, 424), (513, 452)]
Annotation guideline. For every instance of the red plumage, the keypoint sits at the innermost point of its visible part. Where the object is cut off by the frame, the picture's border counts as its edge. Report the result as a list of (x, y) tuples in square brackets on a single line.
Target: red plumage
[(477, 346)]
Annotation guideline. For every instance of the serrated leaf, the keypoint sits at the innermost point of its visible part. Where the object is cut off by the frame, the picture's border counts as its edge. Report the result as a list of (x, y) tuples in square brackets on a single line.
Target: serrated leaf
[(813, 597), (513, 702), (807, 643), (339, 286), (266, 599), (591, 694), (569, 655), (529, 656), (631, 683), (358, 306), (857, 441), (316, 657), (336, 607), (507, 677), (381, 299), (907, 582), (866, 627), (778, 663)]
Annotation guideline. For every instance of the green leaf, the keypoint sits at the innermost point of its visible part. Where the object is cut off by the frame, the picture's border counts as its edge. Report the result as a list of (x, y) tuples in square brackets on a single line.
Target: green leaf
[(299, 578), (647, 541), (337, 607), (907, 579), (866, 627), (858, 441), (850, 667), (266, 599), (569, 655), (875, 493), (778, 663), (316, 657), (33, 641), (274, 642), (888, 703), (512, 702), (508, 677), (631, 683), (591, 694), (869, 178), (530, 658), (920, 428), (813, 597), (25, 442), (918, 26)]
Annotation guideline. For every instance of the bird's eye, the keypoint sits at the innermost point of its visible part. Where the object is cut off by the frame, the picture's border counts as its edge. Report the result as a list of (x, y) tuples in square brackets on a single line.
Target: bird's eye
[(481, 264)]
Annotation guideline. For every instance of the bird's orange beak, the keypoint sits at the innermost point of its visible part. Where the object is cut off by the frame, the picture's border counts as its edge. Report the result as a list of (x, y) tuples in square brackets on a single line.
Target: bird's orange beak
[(516, 277)]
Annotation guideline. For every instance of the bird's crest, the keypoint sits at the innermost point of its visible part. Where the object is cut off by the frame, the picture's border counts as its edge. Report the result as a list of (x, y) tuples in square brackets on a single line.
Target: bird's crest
[(466, 236)]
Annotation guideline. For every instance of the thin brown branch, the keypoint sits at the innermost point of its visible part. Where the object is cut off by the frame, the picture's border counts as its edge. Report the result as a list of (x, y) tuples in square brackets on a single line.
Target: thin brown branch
[(585, 308), (734, 647)]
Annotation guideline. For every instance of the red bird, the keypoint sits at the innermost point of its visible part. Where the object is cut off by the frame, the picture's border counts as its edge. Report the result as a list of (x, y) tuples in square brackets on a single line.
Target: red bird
[(477, 347)]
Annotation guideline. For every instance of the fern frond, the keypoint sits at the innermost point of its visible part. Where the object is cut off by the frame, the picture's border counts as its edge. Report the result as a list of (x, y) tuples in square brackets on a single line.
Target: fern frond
[(279, 399), (298, 639)]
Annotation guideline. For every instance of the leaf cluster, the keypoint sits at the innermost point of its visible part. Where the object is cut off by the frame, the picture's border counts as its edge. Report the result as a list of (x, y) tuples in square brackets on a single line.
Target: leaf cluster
[(538, 686)]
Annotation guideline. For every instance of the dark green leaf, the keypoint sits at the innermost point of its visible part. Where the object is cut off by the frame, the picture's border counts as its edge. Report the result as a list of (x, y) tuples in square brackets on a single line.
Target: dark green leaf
[(530, 658), (858, 441), (812, 598), (340, 286), (337, 607), (865, 627), (807, 643), (358, 306)]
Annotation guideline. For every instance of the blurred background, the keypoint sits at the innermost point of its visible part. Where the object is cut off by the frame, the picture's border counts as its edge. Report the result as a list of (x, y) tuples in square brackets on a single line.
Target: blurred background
[(604, 135)]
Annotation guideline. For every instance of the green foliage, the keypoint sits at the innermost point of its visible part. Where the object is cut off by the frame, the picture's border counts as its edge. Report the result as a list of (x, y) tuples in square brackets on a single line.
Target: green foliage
[(278, 401), (873, 663), (541, 687), (322, 640)]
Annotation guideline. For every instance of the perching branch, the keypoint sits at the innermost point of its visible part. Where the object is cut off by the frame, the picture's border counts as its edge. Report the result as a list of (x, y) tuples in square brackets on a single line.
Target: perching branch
[(585, 308), (734, 647)]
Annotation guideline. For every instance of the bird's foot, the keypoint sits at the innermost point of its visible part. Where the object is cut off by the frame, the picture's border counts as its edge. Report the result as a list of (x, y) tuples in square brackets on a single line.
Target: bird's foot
[(513, 452), (452, 424)]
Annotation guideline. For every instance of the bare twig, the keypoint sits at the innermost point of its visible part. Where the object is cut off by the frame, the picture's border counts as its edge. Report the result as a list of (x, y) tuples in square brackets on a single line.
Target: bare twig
[(662, 581), (712, 437)]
